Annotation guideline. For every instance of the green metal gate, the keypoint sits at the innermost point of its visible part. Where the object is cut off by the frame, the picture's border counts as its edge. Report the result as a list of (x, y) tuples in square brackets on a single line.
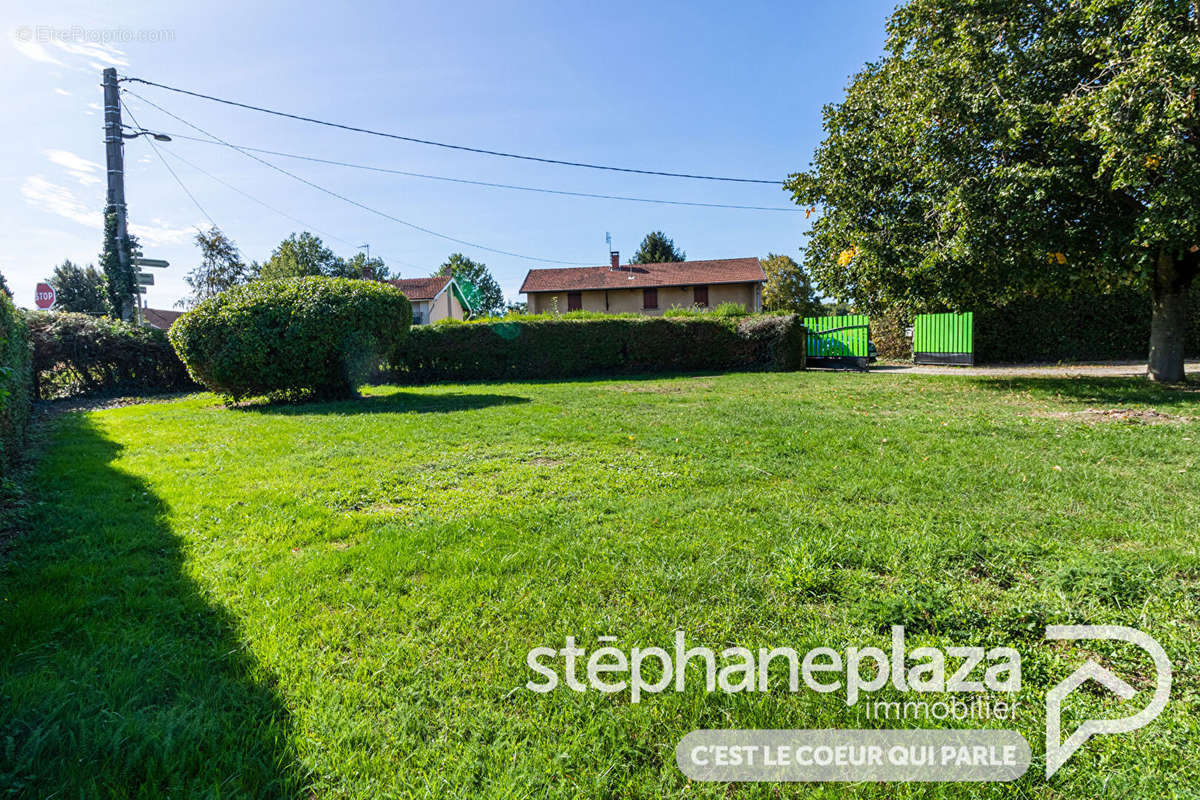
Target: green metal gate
[(944, 339), (838, 340)]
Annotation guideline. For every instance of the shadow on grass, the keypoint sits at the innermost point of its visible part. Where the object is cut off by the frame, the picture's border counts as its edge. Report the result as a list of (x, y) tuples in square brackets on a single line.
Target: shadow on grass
[(1097, 391), (397, 403), (117, 677)]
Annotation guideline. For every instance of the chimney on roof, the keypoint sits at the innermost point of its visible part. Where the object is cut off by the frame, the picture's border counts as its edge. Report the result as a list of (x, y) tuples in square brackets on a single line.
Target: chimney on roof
[(616, 259)]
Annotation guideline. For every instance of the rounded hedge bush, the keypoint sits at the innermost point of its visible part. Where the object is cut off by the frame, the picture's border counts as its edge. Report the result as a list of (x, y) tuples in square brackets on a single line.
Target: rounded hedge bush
[(291, 337)]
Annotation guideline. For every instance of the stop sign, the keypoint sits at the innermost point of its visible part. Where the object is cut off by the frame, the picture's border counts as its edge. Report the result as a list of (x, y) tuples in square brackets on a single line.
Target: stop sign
[(44, 296)]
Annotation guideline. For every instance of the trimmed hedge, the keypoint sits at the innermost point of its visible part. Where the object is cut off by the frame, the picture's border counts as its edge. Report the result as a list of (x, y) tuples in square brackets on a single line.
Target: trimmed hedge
[(517, 348), (78, 354), (293, 336), (1097, 328), (16, 383), (1113, 326)]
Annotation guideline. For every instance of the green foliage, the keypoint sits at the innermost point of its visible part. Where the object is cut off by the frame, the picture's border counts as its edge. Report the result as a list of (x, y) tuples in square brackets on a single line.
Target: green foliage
[(656, 248), (579, 343), (290, 337), (729, 310), (487, 298), (4, 287), (80, 354), (77, 288), (221, 266), (788, 287), (16, 383), (300, 256), (1001, 149), (120, 281), (1078, 328)]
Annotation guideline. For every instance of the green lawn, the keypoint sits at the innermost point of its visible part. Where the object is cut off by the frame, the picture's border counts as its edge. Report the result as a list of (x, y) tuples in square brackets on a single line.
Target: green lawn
[(337, 600)]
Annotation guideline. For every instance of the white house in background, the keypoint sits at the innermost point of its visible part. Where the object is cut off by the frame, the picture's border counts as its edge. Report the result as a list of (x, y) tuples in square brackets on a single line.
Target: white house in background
[(432, 298)]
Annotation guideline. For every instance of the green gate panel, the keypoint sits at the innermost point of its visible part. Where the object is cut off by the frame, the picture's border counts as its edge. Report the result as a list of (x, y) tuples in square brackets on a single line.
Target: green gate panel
[(944, 338), (837, 337)]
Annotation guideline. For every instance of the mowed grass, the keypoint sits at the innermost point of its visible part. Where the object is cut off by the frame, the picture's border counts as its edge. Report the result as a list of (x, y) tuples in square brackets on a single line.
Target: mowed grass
[(337, 600)]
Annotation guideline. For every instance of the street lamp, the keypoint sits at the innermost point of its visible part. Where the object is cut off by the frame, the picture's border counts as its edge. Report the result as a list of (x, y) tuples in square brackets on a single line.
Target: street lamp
[(158, 137)]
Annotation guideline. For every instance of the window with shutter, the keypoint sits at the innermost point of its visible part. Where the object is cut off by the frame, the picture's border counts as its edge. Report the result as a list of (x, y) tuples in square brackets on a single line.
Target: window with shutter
[(649, 298), (574, 301), (700, 296)]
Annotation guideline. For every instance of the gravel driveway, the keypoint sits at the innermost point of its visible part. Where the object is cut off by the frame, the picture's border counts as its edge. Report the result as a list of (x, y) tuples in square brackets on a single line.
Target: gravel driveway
[(1107, 369)]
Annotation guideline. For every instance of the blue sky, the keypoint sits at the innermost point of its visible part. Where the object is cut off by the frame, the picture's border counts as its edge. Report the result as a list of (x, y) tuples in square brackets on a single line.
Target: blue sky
[(714, 87)]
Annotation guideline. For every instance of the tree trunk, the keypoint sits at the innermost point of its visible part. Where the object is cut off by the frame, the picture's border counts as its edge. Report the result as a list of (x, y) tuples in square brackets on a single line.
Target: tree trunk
[(1169, 317)]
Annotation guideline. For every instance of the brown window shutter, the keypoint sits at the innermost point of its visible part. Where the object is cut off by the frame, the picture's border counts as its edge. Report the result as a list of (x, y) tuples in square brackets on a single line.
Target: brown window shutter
[(649, 298), (574, 301), (700, 296)]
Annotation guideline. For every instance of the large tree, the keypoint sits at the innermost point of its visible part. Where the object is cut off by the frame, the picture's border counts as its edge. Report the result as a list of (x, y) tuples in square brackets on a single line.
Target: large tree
[(656, 248), (221, 266), (788, 287), (488, 298), (79, 288), (1013, 148), (301, 255)]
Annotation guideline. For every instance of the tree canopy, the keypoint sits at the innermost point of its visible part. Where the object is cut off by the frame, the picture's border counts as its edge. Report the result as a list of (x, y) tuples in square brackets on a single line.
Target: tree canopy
[(656, 248), (221, 266), (788, 287), (301, 255), (78, 288), (1003, 149), (489, 296)]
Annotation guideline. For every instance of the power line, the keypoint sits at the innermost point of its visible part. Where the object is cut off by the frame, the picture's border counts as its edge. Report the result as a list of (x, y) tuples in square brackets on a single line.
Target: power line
[(543, 190), (446, 145), (284, 214), (168, 166), (343, 198)]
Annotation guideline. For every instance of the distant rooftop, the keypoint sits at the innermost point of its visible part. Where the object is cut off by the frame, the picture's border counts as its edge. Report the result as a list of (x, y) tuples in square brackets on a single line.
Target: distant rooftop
[(421, 288), (636, 276)]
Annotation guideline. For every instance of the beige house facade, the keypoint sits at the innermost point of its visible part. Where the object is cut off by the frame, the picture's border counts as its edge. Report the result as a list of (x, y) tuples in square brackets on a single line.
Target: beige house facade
[(432, 298), (649, 289)]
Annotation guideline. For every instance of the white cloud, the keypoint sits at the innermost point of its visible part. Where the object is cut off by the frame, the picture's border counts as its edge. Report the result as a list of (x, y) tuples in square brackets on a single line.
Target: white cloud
[(78, 167), (54, 199), (159, 233), (35, 51), (94, 106), (61, 201), (75, 163), (101, 54), (63, 92)]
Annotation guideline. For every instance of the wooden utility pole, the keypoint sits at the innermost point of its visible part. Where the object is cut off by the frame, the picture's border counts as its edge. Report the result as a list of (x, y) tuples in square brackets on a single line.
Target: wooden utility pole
[(114, 144)]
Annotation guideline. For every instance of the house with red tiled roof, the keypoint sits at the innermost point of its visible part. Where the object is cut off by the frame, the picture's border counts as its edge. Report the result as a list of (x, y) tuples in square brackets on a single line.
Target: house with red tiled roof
[(159, 317), (647, 289), (433, 298)]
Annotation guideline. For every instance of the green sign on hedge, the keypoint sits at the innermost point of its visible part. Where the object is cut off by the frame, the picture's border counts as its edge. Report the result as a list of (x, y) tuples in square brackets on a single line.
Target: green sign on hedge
[(944, 339)]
